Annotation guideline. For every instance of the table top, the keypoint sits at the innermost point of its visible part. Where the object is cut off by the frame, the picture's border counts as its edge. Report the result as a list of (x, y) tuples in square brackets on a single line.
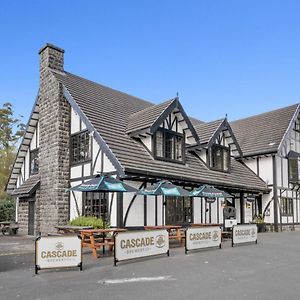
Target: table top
[(163, 227), (92, 231), (70, 227), (5, 223), (204, 224)]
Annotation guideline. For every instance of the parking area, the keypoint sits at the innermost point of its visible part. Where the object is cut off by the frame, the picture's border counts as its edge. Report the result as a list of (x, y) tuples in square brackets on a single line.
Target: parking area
[(268, 270)]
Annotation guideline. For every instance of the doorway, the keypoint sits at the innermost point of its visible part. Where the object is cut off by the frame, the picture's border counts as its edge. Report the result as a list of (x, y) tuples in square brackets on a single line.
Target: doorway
[(31, 213)]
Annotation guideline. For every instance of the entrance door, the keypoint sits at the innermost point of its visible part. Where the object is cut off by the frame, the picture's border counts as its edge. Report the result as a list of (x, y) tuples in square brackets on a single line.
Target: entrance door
[(31, 205)]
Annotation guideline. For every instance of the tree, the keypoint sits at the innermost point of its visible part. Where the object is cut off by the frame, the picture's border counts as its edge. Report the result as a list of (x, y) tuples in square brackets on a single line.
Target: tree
[(11, 130)]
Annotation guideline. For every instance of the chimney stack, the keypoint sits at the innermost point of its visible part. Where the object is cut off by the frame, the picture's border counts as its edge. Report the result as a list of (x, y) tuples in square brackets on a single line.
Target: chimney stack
[(52, 57)]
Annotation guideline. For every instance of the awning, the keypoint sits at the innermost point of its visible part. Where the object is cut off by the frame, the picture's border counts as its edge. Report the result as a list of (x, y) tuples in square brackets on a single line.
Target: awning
[(28, 187)]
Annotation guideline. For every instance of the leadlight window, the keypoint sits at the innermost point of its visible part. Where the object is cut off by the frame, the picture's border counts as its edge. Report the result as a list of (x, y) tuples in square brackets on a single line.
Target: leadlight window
[(294, 166), (220, 158), (178, 210), (95, 205), (80, 147), (34, 162), (287, 206), (169, 145)]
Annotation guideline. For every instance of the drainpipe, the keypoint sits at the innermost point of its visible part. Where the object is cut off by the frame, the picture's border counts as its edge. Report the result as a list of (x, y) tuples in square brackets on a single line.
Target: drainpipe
[(275, 196)]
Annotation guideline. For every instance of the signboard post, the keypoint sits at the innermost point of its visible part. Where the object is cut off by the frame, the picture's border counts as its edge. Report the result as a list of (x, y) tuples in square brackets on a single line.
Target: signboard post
[(53, 252), (136, 244), (244, 234), (202, 237)]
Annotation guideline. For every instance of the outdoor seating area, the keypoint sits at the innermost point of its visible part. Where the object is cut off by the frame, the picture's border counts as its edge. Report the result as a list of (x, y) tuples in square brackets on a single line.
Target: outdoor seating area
[(9, 228), (99, 238)]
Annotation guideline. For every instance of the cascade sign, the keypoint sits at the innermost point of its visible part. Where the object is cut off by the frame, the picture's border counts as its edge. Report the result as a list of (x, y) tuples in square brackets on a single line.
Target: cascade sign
[(135, 244), (244, 234), (58, 252), (202, 237)]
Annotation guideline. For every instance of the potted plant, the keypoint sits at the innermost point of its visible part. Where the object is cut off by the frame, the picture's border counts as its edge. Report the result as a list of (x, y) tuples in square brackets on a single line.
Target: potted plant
[(259, 221)]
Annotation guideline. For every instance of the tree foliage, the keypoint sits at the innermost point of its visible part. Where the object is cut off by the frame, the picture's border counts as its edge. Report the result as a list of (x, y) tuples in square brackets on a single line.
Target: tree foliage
[(11, 129)]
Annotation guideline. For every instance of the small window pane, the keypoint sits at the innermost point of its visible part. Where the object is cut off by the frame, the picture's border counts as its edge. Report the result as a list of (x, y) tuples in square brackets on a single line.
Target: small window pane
[(81, 150)]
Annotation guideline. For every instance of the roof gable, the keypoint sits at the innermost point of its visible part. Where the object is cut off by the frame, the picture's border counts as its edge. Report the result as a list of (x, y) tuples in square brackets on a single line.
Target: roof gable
[(263, 133), (24, 146), (210, 132), (151, 118)]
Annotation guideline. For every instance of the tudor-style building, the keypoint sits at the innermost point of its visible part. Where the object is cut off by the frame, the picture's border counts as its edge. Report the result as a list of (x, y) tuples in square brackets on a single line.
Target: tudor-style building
[(79, 128), (271, 148)]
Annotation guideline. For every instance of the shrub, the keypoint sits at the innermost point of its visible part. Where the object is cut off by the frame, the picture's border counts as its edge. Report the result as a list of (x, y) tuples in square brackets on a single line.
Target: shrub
[(259, 219), (7, 210), (90, 221)]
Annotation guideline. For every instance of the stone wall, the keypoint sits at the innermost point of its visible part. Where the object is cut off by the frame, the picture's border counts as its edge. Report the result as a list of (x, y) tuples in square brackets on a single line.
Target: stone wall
[(23, 216), (54, 119)]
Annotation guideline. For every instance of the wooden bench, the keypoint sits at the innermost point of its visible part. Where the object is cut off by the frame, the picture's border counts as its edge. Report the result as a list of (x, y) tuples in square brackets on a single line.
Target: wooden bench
[(9, 228)]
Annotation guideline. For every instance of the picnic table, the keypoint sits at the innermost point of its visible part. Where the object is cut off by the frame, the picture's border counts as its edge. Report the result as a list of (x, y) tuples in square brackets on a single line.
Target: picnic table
[(69, 229), (179, 234), (204, 224), (97, 238), (9, 227)]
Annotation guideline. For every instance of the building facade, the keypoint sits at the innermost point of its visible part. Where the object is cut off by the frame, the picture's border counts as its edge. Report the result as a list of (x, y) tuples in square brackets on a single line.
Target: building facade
[(78, 129)]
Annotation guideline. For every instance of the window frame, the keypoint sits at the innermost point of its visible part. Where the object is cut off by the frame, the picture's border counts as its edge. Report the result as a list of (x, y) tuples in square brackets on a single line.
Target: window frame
[(36, 150), (293, 180), (89, 156), (287, 206), (102, 196), (164, 132), (223, 148)]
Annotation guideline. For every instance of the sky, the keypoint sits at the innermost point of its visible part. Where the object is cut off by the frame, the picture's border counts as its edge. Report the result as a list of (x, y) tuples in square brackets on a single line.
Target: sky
[(238, 58)]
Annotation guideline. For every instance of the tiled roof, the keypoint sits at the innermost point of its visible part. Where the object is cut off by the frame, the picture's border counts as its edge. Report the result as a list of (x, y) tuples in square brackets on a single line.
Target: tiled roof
[(263, 133), (206, 130), (109, 110), (146, 117), (28, 187)]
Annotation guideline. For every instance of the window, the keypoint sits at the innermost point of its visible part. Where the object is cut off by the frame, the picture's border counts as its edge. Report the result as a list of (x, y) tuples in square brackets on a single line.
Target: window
[(34, 162), (80, 147), (220, 158), (178, 210), (287, 206), (95, 205), (294, 167), (169, 145)]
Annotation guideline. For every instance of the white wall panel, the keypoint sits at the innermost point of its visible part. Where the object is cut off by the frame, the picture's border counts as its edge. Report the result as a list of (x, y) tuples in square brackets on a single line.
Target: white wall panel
[(27, 161), (252, 164), (76, 172), (87, 169), (73, 200), (75, 122), (266, 169)]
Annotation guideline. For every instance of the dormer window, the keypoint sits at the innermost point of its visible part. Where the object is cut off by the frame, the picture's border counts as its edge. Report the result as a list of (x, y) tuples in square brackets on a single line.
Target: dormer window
[(220, 158), (169, 145)]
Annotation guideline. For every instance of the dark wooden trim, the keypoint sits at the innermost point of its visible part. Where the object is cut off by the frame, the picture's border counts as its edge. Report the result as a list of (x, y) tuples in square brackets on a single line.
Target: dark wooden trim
[(119, 213), (275, 195), (156, 213), (242, 207), (95, 162), (130, 204), (91, 128)]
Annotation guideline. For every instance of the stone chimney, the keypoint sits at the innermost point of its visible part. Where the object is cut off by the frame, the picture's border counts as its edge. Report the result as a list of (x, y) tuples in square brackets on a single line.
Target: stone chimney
[(52, 206)]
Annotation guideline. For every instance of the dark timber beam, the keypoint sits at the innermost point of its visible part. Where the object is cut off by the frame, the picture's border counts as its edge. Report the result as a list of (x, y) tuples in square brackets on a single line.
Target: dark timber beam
[(275, 196)]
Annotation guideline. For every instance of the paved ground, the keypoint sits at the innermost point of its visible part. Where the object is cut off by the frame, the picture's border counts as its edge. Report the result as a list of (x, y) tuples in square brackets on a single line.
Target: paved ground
[(269, 270)]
